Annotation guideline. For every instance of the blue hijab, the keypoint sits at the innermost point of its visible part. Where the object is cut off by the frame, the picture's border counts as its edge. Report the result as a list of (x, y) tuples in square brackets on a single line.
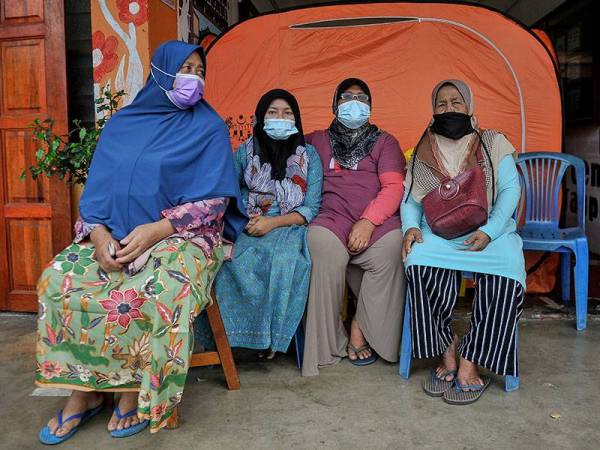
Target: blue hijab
[(152, 156)]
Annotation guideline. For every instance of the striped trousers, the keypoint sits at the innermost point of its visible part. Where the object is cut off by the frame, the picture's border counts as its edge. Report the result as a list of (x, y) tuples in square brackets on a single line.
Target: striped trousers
[(497, 306)]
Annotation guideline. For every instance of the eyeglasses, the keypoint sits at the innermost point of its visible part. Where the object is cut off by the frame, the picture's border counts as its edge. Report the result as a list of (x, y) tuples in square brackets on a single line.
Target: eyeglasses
[(346, 96)]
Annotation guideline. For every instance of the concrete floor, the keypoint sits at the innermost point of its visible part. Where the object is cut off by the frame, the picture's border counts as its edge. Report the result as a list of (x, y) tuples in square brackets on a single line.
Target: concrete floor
[(345, 407)]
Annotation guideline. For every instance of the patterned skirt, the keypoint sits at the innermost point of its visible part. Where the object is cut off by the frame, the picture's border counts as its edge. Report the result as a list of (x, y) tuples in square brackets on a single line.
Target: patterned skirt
[(100, 331), (262, 292)]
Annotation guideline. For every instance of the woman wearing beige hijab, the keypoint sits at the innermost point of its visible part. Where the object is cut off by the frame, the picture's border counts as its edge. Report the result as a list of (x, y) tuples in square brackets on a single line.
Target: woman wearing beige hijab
[(462, 190)]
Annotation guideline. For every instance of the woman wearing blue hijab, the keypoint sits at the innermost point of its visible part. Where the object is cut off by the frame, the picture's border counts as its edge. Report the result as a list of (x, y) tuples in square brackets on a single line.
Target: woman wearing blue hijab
[(117, 306)]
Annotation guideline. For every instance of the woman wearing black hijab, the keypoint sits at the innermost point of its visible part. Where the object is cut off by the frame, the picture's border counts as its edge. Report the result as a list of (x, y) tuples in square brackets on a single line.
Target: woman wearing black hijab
[(262, 292)]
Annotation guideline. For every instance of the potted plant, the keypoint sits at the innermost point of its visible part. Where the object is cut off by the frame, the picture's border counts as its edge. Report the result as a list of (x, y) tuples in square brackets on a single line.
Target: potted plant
[(69, 156)]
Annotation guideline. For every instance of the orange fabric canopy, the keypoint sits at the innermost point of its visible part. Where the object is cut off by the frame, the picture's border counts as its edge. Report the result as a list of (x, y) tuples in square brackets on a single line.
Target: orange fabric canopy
[(401, 50)]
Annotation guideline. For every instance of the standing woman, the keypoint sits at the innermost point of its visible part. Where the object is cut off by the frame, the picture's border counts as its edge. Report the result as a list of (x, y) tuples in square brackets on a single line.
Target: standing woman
[(356, 237), (262, 292), (474, 234), (117, 305)]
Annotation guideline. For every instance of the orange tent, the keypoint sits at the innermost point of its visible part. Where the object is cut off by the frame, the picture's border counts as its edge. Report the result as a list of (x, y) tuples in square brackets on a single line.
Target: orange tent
[(401, 50), (543, 36)]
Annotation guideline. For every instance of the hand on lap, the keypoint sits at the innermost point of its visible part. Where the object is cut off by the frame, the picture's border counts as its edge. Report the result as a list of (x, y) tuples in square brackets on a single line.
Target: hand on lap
[(142, 238), (360, 235), (477, 241), (103, 240), (259, 225)]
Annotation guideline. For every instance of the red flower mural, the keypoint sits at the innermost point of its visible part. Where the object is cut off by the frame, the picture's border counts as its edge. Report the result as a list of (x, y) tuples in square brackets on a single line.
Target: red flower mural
[(135, 11), (103, 54), (123, 307)]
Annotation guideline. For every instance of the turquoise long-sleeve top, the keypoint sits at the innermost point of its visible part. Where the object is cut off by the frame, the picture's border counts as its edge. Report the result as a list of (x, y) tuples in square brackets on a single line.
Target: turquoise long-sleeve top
[(504, 254), (314, 183)]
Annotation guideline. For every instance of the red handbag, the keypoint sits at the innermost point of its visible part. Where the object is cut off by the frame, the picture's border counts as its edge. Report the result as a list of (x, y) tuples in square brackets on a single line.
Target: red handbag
[(459, 206)]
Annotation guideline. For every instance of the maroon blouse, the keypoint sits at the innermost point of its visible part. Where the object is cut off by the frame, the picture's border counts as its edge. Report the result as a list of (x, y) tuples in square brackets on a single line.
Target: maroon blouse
[(348, 193)]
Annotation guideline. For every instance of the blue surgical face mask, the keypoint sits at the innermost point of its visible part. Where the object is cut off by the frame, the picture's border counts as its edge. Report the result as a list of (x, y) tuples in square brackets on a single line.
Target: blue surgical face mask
[(280, 129), (354, 114)]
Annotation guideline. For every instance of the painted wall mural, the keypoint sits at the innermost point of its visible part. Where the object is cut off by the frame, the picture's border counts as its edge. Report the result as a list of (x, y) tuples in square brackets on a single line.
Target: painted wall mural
[(120, 46)]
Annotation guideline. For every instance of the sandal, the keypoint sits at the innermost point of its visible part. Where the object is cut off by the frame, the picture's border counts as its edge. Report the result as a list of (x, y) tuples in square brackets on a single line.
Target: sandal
[(130, 431), (47, 437), (459, 396), (435, 385), (362, 362)]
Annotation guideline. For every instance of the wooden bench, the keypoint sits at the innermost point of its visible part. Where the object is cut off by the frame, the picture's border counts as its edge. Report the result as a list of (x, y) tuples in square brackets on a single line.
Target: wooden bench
[(222, 356)]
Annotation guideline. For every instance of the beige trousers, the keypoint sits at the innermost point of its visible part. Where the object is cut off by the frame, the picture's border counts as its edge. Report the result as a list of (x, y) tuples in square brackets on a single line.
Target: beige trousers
[(376, 277)]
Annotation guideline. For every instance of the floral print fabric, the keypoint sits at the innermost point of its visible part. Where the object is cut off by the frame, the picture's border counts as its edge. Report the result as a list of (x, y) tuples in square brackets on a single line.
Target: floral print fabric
[(264, 191), (114, 332), (130, 330), (196, 221), (190, 219), (201, 222)]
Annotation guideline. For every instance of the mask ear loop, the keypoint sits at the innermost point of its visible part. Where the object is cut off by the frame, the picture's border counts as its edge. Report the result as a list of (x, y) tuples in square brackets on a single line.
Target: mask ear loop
[(152, 66)]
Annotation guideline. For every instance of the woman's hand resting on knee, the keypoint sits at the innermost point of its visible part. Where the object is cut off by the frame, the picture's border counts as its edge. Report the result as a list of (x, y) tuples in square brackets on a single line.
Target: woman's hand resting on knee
[(142, 238), (360, 235), (103, 240), (411, 236)]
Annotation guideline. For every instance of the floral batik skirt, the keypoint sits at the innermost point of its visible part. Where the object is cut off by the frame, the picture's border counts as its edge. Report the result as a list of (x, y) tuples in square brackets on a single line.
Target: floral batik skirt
[(114, 332)]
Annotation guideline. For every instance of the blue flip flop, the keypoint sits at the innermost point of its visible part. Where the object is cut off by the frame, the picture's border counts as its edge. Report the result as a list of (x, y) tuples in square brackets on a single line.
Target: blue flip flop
[(464, 394), (134, 429), (435, 385), (362, 362), (48, 438)]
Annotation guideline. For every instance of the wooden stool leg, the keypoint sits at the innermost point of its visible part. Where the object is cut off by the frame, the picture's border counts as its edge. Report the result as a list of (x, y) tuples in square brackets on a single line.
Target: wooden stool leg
[(223, 348), (174, 420)]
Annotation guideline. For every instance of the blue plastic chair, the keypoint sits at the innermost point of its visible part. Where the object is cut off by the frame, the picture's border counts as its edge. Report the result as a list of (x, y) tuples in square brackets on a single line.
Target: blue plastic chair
[(542, 174), (510, 383)]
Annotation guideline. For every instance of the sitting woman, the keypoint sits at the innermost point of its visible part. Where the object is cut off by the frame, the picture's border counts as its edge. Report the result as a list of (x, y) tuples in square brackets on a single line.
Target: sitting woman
[(116, 306), (463, 188), (262, 292), (356, 237)]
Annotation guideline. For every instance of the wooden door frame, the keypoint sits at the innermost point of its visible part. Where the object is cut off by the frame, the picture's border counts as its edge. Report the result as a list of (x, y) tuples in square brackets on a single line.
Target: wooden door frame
[(52, 28)]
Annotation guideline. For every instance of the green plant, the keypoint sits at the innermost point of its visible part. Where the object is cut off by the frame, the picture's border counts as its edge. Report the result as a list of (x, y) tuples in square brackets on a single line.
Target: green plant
[(70, 155)]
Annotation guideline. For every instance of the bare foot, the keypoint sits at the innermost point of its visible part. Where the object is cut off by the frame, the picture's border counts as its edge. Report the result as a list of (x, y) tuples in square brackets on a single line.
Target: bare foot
[(468, 374), (78, 402), (357, 339), (448, 362), (127, 402)]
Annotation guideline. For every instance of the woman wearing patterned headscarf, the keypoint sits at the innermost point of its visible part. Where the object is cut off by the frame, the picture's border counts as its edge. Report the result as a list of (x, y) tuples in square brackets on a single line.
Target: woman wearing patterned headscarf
[(462, 190), (356, 237), (262, 292)]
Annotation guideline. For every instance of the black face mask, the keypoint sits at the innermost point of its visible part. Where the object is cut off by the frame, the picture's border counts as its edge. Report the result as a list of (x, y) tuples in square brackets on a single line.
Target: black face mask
[(452, 125)]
